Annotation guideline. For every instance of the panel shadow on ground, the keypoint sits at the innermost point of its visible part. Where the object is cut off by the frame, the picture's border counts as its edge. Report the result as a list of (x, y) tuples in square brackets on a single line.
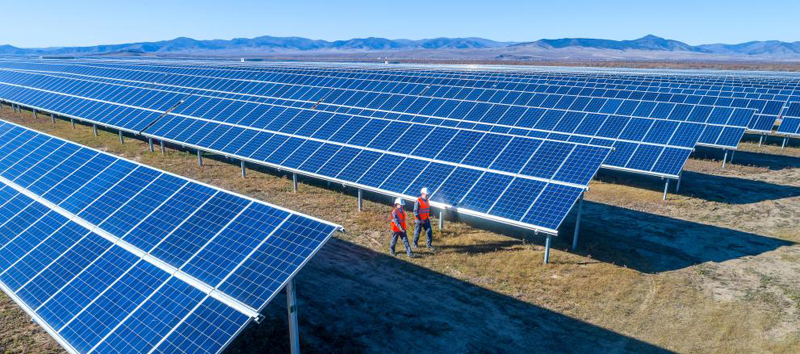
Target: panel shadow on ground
[(652, 243), (733, 190), (353, 300)]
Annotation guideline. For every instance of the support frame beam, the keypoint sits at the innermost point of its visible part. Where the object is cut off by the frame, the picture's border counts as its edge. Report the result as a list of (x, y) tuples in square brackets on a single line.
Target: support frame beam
[(547, 248), (578, 223), (291, 308)]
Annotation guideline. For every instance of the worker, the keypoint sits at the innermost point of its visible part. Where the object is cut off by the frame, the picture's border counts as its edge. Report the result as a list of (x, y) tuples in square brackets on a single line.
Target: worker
[(422, 218), (398, 221)]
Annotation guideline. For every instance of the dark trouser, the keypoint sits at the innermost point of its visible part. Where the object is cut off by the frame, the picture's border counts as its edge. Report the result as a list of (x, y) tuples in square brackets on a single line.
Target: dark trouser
[(404, 237), (428, 231)]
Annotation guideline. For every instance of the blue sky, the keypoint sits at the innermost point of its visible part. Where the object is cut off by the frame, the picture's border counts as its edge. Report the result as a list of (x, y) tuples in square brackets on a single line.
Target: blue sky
[(67, 23)]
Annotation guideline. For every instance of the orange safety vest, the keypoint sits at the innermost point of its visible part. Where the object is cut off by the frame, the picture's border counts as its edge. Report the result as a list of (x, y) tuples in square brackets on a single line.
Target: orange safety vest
[(401, 214), (424, 209)]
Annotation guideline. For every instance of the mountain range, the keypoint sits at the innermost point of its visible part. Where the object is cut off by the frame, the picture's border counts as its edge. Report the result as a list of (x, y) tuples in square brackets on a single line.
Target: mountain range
[(649, 46)]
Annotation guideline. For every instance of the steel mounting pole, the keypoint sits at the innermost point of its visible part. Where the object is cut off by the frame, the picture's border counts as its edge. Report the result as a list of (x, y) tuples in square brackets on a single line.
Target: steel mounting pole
[(53, 118), (291, 306), (783, 145), (294, 181), (35, 115), (72, 121), (760, 140), (199, 158), (163, 149), (724, 158), (244, 169), (360, 201), (94, 129), (578, 223), (733, 154), (678, 185), (666, 187), (150, 144), (121, 138), (441, 220), (547, 249)]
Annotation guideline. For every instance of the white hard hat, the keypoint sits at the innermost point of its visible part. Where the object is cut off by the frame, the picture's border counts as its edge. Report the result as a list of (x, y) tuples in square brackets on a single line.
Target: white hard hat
[(424, 191), (399, 201)]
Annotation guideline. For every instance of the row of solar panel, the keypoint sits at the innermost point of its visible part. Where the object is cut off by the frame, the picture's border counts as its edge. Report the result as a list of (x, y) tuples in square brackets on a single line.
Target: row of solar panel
[(561, 97), (463, 78), (777, 95), (63, 210), (734, 84), (485, 90), (447, 101), (405, 138), (507, 116)]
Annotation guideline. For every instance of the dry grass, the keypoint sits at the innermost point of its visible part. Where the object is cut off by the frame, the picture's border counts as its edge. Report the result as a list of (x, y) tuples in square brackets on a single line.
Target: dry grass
[(713, 270)]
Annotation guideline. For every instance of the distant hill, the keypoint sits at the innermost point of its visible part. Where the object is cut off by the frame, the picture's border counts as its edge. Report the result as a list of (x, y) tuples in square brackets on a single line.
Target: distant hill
[(649, 42), (264, 44), (647, 47)]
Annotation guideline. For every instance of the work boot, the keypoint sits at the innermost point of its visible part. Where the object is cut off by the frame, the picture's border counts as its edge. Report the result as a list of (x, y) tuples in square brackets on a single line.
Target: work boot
[(392, 253), (431, 248), (412, 255), (415, 246)]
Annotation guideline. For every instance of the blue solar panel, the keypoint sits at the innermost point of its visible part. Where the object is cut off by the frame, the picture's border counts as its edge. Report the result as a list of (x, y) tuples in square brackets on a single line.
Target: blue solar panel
[(112, 256), (790, 125)]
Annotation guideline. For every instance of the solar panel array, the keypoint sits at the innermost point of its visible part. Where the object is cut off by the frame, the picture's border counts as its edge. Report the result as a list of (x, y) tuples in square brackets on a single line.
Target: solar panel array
[(112, 256), (658, 146), (531, 182)]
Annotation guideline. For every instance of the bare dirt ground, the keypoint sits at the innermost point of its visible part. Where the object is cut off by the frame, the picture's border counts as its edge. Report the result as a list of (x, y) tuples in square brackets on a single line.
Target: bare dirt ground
[(715, 269)]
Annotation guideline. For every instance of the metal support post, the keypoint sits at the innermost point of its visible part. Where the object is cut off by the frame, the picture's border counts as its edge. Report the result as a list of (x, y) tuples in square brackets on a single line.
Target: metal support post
[(360, 203), (441, 220), (783, 145), (733, 153), (666, 187), (724, 158), (578, 223), (35, 115), (678, 186), (199, 158), (294, 181), (244, 169), (72, 121), (760, 140), (150, 144), (163, 149), (547, 249), (121, 139), (291, 305), (94, 129), (53, 118)]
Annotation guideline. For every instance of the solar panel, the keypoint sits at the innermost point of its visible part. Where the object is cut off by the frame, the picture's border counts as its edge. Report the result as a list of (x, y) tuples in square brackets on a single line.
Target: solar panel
[(108, 255), (790, 125), (370, 153)]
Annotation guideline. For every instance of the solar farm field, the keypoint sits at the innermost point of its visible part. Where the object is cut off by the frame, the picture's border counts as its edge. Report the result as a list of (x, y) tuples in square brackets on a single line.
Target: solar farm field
[(713, 269)]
